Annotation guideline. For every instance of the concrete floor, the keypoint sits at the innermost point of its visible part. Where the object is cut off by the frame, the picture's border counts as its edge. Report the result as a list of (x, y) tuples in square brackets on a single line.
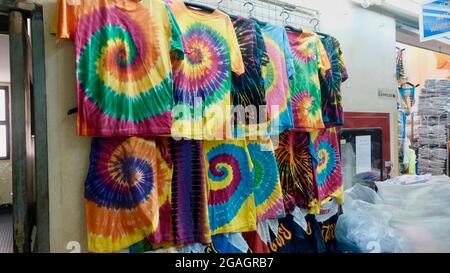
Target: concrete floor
[(6, 231)]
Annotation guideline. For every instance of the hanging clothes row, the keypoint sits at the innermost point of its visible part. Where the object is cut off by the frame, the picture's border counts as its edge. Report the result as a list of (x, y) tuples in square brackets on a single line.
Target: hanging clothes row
[(205, 124)]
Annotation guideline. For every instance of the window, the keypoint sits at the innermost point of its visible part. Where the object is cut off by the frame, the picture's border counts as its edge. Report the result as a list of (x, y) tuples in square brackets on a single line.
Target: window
[(4, 123)]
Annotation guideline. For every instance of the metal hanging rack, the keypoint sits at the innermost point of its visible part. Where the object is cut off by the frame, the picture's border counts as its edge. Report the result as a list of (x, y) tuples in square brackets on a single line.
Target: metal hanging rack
[(271, 11)]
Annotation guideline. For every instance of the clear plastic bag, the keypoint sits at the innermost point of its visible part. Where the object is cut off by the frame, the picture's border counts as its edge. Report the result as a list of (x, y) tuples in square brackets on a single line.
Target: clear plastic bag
[(420, 212), (364, 226), (400, 218)]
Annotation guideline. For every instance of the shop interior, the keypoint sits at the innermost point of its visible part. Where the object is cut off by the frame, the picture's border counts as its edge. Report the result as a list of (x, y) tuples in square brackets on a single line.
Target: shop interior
[(347, 149)]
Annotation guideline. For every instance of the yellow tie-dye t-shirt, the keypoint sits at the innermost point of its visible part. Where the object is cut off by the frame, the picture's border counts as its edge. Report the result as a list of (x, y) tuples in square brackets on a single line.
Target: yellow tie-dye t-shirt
[(124, 53), (202, 81)]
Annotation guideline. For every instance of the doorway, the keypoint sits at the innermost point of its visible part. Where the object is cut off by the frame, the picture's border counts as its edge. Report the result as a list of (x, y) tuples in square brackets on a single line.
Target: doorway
[(26, 128), (6, 212)]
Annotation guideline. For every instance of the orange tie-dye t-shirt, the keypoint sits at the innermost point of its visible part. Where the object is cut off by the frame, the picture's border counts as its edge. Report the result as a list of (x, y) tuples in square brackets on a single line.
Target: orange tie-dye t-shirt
[(124, 53)]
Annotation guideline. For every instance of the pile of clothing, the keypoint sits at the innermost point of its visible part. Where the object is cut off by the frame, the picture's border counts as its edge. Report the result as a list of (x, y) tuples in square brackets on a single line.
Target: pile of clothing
[(432, 118)]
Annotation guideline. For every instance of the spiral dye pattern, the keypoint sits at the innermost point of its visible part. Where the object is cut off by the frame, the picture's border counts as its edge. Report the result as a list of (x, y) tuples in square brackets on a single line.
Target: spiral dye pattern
[(266, 181), (231, 204), (327, 165), (276, 77), (124, 71), (126, 185), (203, 80), (310, 59), (204, 73)]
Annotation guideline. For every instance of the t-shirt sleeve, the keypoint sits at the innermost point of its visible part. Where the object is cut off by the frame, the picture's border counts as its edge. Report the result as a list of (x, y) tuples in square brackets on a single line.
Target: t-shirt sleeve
[(289, 59), (261, 46), (323, 62), (65, 20), (344, 72), (176, 41), (237, 64)]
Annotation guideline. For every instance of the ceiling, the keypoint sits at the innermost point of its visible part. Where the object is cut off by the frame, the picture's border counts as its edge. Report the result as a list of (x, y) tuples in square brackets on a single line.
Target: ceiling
[(407, 14)]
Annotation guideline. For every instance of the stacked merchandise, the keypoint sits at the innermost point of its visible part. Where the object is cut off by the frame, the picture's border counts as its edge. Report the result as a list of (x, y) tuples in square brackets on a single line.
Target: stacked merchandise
[(432, 116), (212, 133)]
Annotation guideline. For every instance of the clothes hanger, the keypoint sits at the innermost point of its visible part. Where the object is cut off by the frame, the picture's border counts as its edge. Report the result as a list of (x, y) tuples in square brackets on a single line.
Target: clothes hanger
[(410, 84), (316, 25), (219, 3), (199, 6), (252, 7), (294, 29), (72, 111)]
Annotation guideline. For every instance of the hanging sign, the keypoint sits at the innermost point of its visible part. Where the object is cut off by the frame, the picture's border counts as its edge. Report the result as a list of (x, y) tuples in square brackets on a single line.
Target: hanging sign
[(435, 20)]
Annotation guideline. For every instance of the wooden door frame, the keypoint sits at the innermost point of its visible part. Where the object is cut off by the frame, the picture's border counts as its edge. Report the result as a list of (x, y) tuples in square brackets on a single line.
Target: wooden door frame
[(20, 11)]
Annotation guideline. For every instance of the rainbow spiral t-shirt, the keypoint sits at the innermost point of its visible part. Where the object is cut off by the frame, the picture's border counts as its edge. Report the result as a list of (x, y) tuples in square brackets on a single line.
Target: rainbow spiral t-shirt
[(128, 193), (124, 71), (229, 177), (203, 79), (276, 76), (266, 180), (327, 167), (310, 59)]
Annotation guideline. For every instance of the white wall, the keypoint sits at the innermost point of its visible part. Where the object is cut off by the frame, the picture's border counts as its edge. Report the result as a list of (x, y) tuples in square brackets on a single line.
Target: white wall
[(68, 154)]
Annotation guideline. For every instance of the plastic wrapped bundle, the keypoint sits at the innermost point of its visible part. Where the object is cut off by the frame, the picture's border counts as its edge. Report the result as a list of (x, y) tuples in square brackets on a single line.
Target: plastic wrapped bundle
[(432, 126), (364, 226), (422, 214), (408, 215)]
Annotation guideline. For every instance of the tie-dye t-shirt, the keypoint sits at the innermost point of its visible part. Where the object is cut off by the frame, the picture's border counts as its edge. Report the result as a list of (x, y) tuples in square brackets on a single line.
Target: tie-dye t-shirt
[(229, 243), (276, 76), (231, 204), (203, 79), (124, 70), (330, 84), (327, 167), (189, 193), (296, 170), (248, 89), (127, 193), (266, 180), (310, 59)]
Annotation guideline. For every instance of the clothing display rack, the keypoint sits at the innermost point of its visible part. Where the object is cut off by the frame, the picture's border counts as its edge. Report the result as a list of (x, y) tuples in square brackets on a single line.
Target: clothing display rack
[(167, 172), (272, 11)]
